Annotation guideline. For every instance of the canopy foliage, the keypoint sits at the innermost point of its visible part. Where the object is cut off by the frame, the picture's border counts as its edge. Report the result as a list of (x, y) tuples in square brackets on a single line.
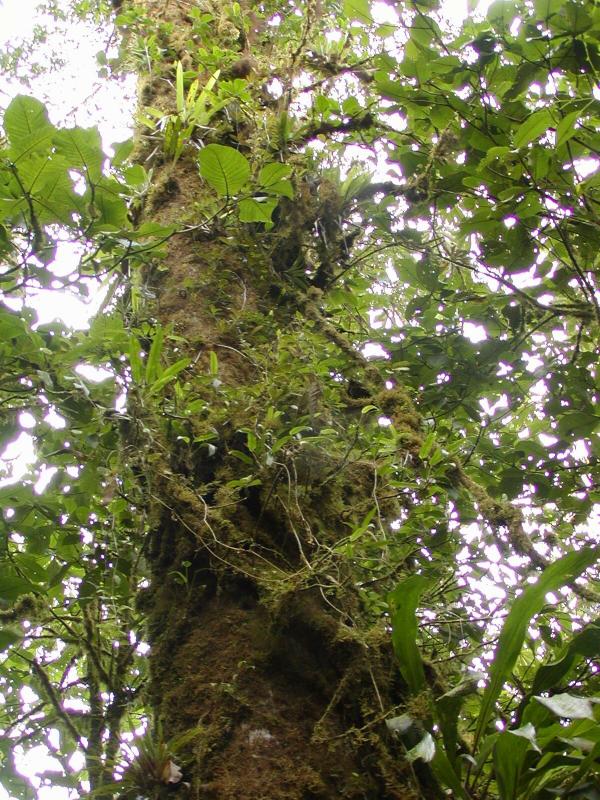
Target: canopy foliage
[(451, 180)]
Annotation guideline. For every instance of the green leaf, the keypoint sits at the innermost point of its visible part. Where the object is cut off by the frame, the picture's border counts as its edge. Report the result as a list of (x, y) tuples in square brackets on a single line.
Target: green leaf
[(225, 169), (135, 176), (533, 127), (578, 424), (160, 384), (26, 125), (135, 360), (12, 585), (274, 178), (510, 751), (428, 443), (525, 607), (179, 88), (585, 643), (404, 600), (545, 9), (364, 524), (82, 148), (446, 774), (9, 636), (358, 9), (175, 368), (566, 127), (153, 369), (168, 375), (253, 210), (448, 711), (568, 705)]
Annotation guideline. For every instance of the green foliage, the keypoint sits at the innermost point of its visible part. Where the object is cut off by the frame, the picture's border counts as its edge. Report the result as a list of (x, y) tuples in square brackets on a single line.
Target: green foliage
[(63, 576), (467, 276), (195, 110), (224, 168), (528, 745), (514, 629)]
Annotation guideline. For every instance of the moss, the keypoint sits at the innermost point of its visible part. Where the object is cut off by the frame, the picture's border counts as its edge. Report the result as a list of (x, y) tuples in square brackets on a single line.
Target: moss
[(162, 193), (262, 645), (148, 88)]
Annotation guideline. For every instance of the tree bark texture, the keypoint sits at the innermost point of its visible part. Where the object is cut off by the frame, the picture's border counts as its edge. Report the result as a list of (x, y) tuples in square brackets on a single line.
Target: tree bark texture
[(259, 636)]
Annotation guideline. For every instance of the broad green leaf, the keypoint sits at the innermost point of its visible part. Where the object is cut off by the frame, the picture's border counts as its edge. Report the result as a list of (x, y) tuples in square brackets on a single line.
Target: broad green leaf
[(135, 175), (578, 423), (509, 758), (82, 149), (275, 179), (525, 607), (151, 229), (108, 205), (533, 127), (253, 210), (122, 151), (547, 8), (271, 174), (358, 9), (42, 184), (568, 705), (224, 168), (107, 331), (26, 125), (12, 586), (403, 601)]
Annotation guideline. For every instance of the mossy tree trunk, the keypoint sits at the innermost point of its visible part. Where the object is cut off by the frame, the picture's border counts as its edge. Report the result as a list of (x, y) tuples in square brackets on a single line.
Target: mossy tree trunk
[(259, 467)]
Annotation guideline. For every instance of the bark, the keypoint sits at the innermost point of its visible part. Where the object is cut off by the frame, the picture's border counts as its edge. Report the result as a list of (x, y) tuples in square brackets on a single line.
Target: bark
[(261, 647)]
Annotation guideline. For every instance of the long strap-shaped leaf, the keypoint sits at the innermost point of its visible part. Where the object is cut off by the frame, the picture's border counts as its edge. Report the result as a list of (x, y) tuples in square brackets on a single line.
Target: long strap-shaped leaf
[(525, 607), (404, 601)]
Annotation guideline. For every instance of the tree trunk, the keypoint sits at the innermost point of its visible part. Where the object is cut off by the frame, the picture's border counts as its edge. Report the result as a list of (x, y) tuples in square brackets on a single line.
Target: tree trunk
[(260, 466)]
